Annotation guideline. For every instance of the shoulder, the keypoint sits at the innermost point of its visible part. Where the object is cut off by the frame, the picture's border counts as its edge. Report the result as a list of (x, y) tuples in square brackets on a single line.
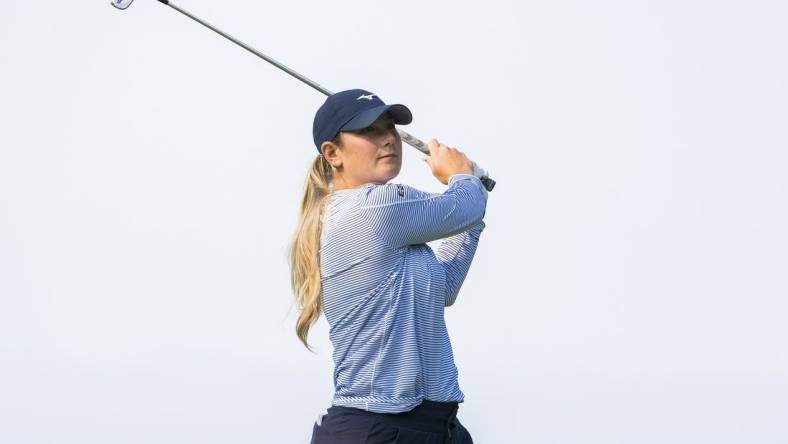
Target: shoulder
[(382, 194)]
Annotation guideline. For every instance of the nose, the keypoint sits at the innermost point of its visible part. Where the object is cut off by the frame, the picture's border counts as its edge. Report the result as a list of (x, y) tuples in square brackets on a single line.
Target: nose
[(390, 137)]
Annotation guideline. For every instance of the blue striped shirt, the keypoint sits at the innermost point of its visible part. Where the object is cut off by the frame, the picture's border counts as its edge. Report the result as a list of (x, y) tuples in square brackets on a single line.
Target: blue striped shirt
[(384, 289)]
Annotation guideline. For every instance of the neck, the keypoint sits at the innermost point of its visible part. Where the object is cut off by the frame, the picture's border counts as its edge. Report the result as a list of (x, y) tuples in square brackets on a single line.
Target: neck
[(340, 183)]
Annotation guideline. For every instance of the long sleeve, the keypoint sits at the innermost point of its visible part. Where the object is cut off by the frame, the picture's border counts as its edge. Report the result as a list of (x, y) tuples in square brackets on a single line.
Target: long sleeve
[(455, 255), (402, 215), (384, 289)]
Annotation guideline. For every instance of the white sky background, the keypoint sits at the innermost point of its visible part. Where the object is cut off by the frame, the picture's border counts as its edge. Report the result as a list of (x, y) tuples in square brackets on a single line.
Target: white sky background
[(630, 285)]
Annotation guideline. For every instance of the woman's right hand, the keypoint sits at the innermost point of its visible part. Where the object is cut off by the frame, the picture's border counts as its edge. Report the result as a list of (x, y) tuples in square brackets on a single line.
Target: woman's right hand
[(446, 161)]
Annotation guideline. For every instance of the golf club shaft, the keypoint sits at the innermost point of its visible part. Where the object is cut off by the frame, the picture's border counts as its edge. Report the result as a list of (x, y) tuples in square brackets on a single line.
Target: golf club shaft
[(408, 138)]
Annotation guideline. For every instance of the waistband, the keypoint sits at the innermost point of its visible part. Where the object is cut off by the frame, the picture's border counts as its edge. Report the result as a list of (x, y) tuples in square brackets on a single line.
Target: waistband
[(429, 416)]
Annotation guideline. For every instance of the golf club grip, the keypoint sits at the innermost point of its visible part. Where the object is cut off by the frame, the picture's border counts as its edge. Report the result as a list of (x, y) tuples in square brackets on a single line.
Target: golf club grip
[(478, 171)]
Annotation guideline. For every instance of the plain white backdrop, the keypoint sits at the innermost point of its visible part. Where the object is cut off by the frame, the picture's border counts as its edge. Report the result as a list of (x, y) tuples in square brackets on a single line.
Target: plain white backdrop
[(630, 286)]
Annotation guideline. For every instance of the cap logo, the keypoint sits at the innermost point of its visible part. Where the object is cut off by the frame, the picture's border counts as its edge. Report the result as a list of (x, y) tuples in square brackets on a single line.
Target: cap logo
[(368, 97)]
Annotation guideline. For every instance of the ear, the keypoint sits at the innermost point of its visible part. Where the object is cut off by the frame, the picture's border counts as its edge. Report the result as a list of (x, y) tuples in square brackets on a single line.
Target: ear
[(331, 153)]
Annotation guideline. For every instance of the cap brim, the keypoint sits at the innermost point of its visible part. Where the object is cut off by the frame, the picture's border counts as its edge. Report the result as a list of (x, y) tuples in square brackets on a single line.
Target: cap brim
[(400, 113)]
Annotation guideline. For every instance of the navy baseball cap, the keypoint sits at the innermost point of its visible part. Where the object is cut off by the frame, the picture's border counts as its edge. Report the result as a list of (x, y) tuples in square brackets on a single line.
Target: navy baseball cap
[(351, 110)]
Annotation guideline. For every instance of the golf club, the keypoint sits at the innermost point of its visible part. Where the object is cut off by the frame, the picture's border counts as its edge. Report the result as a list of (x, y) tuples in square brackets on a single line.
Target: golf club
[(488, 183)]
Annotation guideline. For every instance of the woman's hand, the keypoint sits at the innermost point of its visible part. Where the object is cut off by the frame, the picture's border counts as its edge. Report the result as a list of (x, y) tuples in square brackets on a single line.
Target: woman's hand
[(446, 161)]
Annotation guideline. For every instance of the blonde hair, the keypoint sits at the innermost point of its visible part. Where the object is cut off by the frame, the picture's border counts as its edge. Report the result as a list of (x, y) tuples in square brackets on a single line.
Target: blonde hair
[(304, 250)]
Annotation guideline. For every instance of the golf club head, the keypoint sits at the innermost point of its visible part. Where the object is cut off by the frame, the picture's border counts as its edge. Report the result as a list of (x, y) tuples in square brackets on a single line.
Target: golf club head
[(121, 4)]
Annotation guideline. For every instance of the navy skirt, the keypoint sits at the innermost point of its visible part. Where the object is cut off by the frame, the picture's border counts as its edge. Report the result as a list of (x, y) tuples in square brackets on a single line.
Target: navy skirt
[(431, 422)]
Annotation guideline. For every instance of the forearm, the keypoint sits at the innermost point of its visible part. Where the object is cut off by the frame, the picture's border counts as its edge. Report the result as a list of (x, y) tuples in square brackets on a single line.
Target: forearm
[(455, 255)]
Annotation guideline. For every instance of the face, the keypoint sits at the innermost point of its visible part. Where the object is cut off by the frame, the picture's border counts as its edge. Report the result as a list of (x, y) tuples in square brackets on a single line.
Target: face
[(369, 155)]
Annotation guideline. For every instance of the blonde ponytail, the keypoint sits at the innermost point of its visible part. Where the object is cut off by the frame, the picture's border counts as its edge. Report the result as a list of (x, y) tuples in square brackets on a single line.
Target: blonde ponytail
[(305, 247)]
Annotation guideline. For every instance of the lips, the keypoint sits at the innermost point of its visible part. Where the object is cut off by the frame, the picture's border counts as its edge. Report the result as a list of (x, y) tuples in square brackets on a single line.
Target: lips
[(388, 155)]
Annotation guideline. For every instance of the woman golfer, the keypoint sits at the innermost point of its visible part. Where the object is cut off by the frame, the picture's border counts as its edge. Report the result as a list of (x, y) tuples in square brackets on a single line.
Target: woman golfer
[(359, 255)]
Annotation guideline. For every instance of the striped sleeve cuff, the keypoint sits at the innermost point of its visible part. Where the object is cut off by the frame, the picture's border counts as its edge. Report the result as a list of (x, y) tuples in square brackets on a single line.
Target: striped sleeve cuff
[(459, 176)]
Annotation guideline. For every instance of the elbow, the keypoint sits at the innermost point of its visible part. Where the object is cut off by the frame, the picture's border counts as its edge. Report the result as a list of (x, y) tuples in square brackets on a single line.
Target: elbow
[(482, 213), (480, 207), (478, 213)]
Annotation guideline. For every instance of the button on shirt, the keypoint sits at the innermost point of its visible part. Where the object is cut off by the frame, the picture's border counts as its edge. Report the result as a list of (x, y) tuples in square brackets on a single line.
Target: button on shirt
[(384, 289)]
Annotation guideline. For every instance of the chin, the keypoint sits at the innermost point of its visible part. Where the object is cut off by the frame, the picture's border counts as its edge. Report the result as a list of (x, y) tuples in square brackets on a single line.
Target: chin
[(386, 179), (388, 173), (392, 175)]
